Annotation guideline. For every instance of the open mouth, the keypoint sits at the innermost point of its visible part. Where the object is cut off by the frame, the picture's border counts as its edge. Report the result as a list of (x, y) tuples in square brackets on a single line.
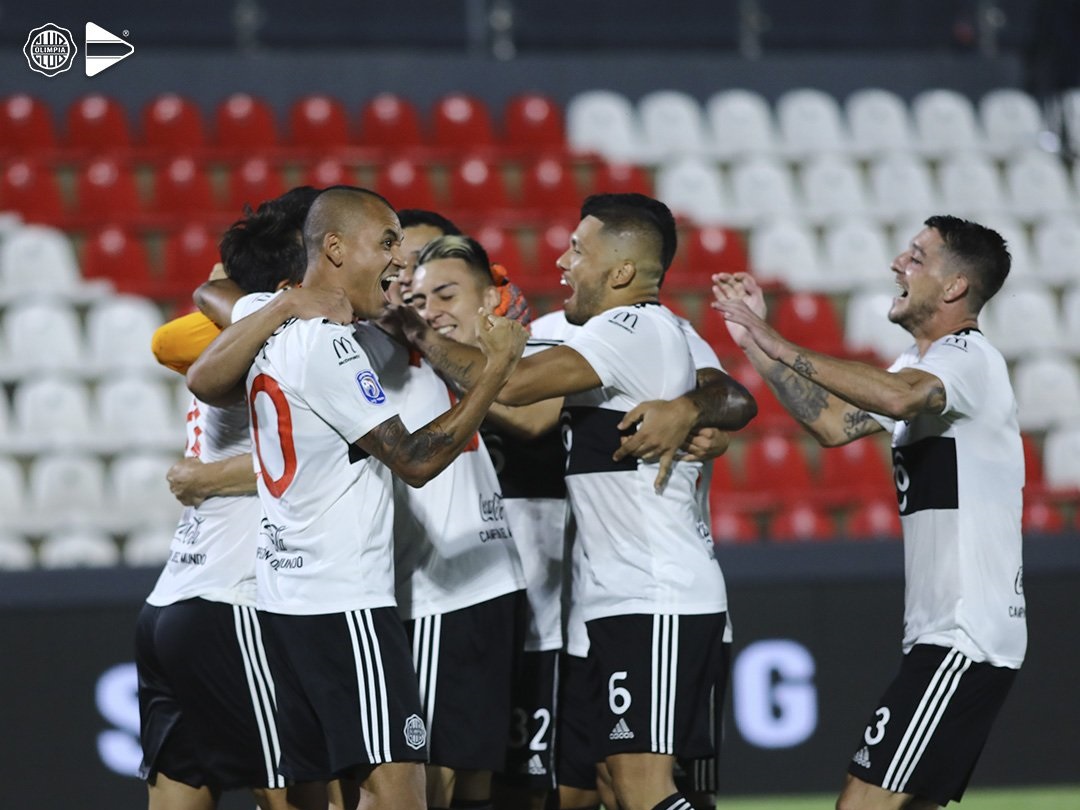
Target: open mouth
[(445, 329), (900, 291), (387, 280)]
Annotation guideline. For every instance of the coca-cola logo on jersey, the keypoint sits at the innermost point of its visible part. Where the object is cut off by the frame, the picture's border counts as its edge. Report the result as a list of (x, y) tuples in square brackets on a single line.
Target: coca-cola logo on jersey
[(491, 509)]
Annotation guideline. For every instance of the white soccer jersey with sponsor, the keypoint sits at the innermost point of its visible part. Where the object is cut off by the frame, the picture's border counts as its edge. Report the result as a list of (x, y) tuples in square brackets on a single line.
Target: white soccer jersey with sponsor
[(453, 546), (212, 554), (959, 478), (326, 540), (643, 552), (531, 474)]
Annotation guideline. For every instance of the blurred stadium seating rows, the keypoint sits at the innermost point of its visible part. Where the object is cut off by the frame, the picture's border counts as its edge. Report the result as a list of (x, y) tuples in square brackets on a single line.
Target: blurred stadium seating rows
[(143, 195)]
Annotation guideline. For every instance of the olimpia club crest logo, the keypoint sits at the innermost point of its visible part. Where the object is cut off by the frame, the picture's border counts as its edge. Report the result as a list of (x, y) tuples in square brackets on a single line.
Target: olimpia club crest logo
[(50, 49)]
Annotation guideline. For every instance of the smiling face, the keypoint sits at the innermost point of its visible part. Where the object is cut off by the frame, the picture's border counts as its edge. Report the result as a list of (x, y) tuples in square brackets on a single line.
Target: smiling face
[(370, 252), (921, 274), (448, 295), (585, 268)]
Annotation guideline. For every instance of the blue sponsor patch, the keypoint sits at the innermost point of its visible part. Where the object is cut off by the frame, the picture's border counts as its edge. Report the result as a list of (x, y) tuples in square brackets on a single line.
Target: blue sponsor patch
[(370, 388)]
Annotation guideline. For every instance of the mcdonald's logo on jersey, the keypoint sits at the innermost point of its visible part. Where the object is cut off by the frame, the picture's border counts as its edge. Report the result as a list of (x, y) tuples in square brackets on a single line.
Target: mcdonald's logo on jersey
[(624, 320)]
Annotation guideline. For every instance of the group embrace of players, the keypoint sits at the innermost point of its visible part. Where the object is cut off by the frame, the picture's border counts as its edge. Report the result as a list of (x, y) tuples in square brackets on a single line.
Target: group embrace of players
[(431, 558)]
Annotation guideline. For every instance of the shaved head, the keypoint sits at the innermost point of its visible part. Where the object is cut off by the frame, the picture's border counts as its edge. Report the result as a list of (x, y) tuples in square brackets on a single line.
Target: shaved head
[(644, 227), (331, 212)]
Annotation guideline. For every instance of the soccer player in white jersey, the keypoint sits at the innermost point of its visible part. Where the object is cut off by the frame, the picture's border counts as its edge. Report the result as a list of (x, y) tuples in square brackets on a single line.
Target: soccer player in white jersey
[(206, 697), (654, 597), (459, 579), (348, 704), (959, 472)]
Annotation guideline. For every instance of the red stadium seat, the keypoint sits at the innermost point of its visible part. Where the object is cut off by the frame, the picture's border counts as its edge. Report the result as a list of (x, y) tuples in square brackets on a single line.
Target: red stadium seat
[(183, 190), (106, 188), (172, 123), (461, 123), (800, 522), (32, 191), (548, 190), (389, 121), (502, 249), (190, 254), (710, 250), (854, 472), (877, 518), (551, 243), (1034, 483), (775, 470), (329, 172), (243, 123), (406, 185), (318, 122), (26, 125), (477, 188), (252, 182), (533, 122), (809, 319), (113, 253), (1042, 517), (97, 123), (733, 528), (621, 178)]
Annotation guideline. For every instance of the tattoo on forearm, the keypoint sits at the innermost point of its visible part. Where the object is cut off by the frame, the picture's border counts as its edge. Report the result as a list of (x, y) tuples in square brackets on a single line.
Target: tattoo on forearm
[(426, 442), (803, 367), (855, 422), (394, 439), (444, 362), (803, 398)]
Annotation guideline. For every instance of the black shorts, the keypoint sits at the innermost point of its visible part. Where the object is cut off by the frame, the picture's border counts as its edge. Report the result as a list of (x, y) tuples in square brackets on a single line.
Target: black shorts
[(657, 674), (530, 758), (206, 697), (347, 697), (931, 724), (578, 716), (702, 775), (464, 660)]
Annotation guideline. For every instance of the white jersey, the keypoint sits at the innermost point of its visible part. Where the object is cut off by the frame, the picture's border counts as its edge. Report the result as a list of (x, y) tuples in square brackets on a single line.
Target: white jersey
[(453, 546), (959, 478), (326, 540), (531, 474), (212, 554), (643, 552)]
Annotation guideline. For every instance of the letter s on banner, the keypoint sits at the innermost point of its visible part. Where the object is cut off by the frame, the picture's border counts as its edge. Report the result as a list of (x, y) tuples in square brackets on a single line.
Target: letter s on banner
[(117, 697), (774, 693)]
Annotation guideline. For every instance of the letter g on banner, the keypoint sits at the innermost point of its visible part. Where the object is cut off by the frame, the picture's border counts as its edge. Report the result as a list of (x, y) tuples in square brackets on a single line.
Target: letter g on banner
[(775, 697)]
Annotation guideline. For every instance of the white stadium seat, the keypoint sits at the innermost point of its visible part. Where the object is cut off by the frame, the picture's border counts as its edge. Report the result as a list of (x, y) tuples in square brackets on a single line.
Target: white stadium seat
[(868, 328), (810, 123), (1057, 249), (857, 252), (1023, 318), (52, 413), (787, 252), (1047, 391), (945, 123), (603, 121), (693, 188), (13, 504), (136, 411), (41, 336), (78, 548), (149, 546), (139, 492), (16, 553), (1070, 318), (832, 188), (901, 186), (1037, 186), (1011, 120), (40, 260), (66, 490), (762, 188), (742, 124), (879, 122), (970, 183), (673, 124), (119, 332)]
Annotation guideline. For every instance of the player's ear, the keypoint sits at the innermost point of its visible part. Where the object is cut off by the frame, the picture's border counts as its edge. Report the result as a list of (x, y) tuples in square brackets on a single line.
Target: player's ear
[(333, 248), (623, 273), (956, 287)]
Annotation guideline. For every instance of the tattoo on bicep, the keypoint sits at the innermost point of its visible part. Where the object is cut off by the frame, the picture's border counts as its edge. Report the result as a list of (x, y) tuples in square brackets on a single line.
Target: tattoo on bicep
[(857, 422), (426, 442), (805, 399)]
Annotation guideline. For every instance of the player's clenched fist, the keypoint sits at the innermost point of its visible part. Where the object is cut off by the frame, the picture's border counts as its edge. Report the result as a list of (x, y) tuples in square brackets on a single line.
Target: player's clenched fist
[(502, 340)]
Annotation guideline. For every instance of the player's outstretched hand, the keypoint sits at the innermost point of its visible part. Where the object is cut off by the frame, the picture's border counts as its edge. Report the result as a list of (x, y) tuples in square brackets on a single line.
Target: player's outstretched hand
[(331, 303), (738, 287), (502, 341), (662, 428)]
